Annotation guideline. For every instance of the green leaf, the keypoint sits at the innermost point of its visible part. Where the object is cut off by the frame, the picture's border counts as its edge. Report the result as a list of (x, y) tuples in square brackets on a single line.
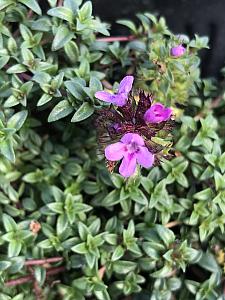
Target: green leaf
[(222, 162), (6, 149), (111, 199), (101, 295), (4, 265), (62, 224), (14, 248), (219, 181), (72, 51), (61, 13), (40, 274), (204, 195), (61, 110), (4, 60), (17, 120), (124, 266), (150, 251), (86, 11), (9, 223), (164, 272), (33, 5), (63, 35), (118, 253), (56, 207), (83, 112), (17, 68), (5, 3), (26, 34), (31, 177), (80, 248), (45, 98), (46, 244), (165, 234), (91, 259), (117, 180), (182, 180), (128, 24), (138, 196), (83, 231), (81, 207), (209, 263)]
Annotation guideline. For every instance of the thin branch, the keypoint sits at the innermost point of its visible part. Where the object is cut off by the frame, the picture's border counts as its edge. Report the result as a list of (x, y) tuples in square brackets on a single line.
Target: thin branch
[(30, 14), (54, 271), (216, 102), (19, 281), (24, 76), (116, 39), (36, 287), (37, 290), (172, 224), (30, 278), (106, 84), (34, 262), (60, 3), (172, 273), (101, 272)]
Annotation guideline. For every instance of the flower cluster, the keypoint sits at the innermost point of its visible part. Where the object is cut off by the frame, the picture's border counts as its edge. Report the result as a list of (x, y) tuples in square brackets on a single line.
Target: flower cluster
[(136, 125)]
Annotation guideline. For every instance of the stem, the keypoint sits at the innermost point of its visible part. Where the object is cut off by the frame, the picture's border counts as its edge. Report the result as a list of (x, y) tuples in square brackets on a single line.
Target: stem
[(172, 224), (101, 272), (172, 273), (20, 75), (60, 3), (116, 39), (30, 14), (19, 281), (54, 271), (25, 76), (215, 103), (33, 262), (37, 290), (106, 84), (30, 278)]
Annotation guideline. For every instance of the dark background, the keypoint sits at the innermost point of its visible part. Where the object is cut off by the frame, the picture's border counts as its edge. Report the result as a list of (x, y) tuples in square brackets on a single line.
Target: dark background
[(204, 17)]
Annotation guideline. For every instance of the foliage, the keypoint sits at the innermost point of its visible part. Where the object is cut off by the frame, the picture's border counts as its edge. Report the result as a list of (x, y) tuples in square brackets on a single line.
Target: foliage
[(157, 236)]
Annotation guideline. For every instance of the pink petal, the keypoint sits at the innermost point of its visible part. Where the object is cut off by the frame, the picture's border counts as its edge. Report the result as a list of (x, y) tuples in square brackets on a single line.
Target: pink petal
[(157, 113), (177, 51), (104, 96), (167, 113), (132, 138), (144, 157), (120, 99), (150, 117), (128, 165), (115, 151), (126, 85)]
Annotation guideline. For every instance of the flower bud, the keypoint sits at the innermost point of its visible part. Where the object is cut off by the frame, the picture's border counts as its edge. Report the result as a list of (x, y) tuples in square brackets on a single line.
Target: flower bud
[(177, 51)]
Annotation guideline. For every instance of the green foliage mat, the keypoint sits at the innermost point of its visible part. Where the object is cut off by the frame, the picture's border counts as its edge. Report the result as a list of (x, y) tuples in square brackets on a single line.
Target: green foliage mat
[(68, 228)]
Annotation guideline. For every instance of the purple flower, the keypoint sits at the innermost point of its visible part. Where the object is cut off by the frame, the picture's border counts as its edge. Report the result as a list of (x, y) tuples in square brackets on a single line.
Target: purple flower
[(177, 51), (131, 149), (120, 98), (157, 113)]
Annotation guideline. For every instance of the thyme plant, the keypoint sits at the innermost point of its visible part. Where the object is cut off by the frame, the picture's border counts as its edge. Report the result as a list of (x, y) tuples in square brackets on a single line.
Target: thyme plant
[(73, 229)]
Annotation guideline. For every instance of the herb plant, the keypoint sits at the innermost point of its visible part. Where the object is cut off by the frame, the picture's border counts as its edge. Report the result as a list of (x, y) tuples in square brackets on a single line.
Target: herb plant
[(73, 229)]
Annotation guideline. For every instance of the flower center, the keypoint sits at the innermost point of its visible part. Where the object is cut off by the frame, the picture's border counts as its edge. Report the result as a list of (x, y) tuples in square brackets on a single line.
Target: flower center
[(132, 147), (158, 112)]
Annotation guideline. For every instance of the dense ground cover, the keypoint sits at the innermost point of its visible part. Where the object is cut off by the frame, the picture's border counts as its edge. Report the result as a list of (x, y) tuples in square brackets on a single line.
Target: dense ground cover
[(69, 229)]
